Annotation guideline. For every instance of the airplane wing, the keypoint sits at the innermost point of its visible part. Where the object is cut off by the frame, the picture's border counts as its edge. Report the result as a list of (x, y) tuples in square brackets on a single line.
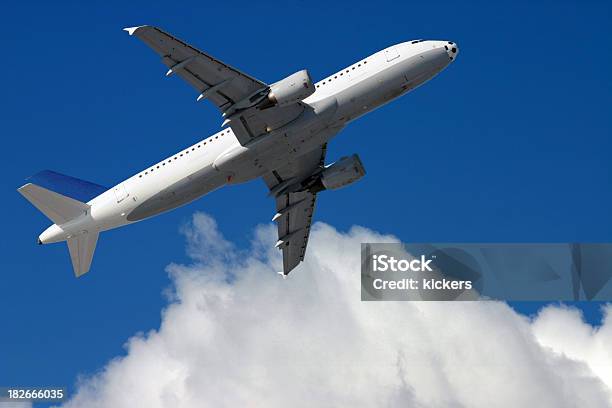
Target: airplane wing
[(295, 209), (231, 90)]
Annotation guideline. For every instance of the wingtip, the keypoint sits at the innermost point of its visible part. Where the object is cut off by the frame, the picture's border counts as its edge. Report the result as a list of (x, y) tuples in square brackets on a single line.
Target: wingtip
[(132, 30), (282, 274)]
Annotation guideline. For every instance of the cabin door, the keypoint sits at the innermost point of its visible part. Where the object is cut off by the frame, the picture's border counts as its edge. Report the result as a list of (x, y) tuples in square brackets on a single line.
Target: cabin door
[(391, 53), (120, 192)]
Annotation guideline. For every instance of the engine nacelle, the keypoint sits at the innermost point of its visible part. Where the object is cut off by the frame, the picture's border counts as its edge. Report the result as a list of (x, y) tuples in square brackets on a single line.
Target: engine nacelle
[(292, 89), (345, 171)]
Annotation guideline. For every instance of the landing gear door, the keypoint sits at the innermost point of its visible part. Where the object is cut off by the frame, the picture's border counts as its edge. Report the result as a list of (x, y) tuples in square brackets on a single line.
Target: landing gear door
[(120, 192), (391, 53)]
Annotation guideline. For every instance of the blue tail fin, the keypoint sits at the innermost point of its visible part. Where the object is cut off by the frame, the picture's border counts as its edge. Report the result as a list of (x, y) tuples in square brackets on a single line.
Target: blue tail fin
[(72, 187)]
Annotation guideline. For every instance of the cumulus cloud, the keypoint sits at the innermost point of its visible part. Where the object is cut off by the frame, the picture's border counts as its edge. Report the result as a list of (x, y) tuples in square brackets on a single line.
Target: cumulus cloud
[(236, 334)]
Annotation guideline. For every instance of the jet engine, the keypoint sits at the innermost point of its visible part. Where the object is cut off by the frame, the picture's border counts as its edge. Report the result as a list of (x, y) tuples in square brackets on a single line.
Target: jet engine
[(345, 171), (292, 89)]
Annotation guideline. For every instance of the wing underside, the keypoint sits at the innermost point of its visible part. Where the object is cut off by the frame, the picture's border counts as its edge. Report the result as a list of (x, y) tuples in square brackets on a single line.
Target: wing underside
[(229, 89), (295, 206), (294, 229), (200, 70)]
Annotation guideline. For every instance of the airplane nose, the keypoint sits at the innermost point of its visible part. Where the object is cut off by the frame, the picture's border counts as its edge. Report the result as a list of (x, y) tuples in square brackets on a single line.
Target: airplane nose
[(452, 49)]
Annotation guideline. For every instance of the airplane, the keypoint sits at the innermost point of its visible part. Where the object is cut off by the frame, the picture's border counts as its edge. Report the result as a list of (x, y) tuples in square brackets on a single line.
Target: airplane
[(276, 132)]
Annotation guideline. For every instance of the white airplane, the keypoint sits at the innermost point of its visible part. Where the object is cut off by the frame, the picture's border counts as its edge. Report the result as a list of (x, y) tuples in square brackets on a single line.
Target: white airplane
[(278, 132)]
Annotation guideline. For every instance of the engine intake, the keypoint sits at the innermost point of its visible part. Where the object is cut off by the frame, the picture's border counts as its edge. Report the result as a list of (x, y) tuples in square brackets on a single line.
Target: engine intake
[(294, 88), (345, 171)]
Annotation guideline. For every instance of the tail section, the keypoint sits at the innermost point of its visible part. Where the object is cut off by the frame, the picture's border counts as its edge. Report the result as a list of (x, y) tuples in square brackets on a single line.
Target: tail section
[(81, 250), (58, 208), (62, 199)]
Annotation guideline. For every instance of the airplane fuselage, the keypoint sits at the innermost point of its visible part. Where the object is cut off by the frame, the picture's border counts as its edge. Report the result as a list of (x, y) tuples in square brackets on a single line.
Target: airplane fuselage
[(220, 159)]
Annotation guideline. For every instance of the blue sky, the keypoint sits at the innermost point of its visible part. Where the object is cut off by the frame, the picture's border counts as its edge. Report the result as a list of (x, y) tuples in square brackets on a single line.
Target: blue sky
[(511, 143)]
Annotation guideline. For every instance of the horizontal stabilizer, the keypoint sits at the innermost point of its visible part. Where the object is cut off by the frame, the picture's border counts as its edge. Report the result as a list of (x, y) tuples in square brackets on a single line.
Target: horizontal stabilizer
[(58, 208), (81, 250)]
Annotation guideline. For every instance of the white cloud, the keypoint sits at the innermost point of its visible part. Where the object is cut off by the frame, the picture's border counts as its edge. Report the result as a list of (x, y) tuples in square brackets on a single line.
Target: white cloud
[(236, 334)]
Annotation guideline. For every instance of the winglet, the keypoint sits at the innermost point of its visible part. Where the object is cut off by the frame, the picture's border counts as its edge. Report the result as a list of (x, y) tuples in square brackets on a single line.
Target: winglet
[(132, 30)]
